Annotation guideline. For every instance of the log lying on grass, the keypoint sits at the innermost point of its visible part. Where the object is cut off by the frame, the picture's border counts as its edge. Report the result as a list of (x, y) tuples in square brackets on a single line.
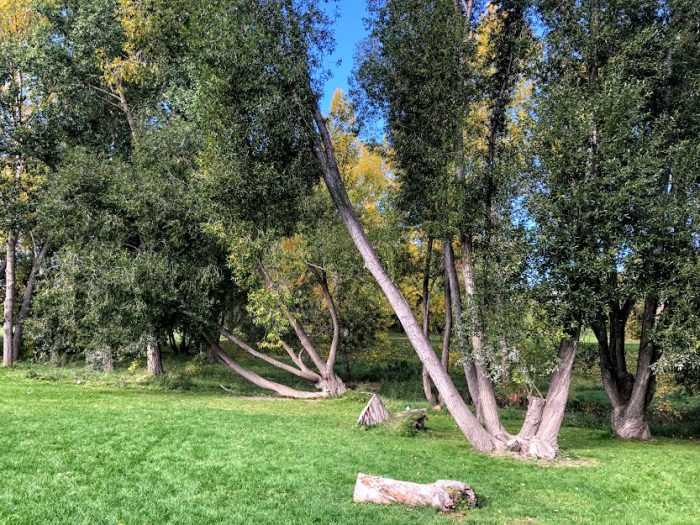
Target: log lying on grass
[(444, 495)]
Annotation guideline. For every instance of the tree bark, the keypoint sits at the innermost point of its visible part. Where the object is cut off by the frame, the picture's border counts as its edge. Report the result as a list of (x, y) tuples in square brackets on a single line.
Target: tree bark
[(487, 397), (427, 385), (256, 379), (458, 320), (26, 302), (544, 444), (466, 421), (444, 495), (308, 374), (629, 394), (9, 304), (447, 331), (154, 361)]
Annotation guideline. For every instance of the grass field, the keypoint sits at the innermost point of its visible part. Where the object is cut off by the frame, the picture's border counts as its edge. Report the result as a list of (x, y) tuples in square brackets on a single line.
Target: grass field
[(79, 447)]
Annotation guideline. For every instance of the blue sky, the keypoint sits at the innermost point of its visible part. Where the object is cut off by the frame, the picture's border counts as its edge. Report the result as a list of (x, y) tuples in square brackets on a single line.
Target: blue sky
[(349, 31)]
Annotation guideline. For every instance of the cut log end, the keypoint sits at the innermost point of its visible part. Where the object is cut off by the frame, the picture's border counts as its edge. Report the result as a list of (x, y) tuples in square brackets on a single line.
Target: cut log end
[(444, 495), (374, 412)]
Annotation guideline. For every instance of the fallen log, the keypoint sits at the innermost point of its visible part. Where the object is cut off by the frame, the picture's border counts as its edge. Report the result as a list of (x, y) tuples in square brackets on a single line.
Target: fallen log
[(444, 495)]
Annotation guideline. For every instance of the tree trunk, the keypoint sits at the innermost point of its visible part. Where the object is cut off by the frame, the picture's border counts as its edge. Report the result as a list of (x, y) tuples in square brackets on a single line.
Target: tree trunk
[(544, 444), (9, 305), (487, 397), (630, 395), (331, 383), (465, 420), (456, 307), (444, 495), (256, 379), (427, 385), (26, 302), (447, 331), (154, 361)]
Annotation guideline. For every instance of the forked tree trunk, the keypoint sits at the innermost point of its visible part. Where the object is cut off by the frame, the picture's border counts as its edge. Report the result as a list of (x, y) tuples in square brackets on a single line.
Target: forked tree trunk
[(26, 302), (283, 390), (629, 394), (9, 304), (154, 360), (466, 421), (329, 382)]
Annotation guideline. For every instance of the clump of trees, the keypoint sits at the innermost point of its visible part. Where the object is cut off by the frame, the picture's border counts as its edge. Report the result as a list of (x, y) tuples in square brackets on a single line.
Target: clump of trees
[(168, 178)]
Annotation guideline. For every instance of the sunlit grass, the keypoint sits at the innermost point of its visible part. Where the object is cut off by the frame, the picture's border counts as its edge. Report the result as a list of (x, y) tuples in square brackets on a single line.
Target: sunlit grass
[(80, 447)]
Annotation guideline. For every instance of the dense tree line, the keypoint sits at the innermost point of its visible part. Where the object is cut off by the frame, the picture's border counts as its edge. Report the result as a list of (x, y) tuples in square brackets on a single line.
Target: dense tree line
[(168, 178)]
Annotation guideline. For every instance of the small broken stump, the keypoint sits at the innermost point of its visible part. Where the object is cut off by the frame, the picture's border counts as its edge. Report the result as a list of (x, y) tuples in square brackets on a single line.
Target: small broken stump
[(374, 412), (444, 495)]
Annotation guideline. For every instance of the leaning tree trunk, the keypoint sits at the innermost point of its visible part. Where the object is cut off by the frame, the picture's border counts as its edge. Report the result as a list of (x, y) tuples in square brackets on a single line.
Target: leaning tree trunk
[(283, 390), (9, 305), (154, 359), (466, 421), (26, 302)]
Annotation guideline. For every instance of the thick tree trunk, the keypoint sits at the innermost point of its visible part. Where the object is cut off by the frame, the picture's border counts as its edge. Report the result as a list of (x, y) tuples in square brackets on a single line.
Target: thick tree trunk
[(256, 379), (544, 444), (26, 302), (630, 395), (444, 495), (9, 304), (533, 418), (465, 420), (427, 385), (154, 361)]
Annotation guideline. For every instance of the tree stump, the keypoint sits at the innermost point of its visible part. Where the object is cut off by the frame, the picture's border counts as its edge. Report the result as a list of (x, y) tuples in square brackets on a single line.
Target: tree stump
[(374, 412), (444, 495)]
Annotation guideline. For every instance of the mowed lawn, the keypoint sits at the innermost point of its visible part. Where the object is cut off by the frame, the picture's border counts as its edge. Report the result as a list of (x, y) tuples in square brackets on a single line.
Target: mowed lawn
[(77, 449)]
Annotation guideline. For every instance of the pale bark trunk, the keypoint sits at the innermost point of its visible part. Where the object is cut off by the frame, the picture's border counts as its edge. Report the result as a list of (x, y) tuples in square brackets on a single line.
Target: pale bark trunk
[(444, 495), (545, 439), (256, 379), (154, 361), (533, 418), (308, 375), (456, 306), (9, 304), (447, 332), (427, 385), (465, 420), (295, 324), (331, 382), (26, 302), (487, 397)]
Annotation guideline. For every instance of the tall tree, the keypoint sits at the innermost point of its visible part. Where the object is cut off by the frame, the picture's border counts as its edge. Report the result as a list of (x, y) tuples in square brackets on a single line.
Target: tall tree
[(608, 117)]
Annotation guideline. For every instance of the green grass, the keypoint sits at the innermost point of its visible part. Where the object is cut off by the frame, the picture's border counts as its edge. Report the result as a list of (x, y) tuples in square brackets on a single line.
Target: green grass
[(79, 447)]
